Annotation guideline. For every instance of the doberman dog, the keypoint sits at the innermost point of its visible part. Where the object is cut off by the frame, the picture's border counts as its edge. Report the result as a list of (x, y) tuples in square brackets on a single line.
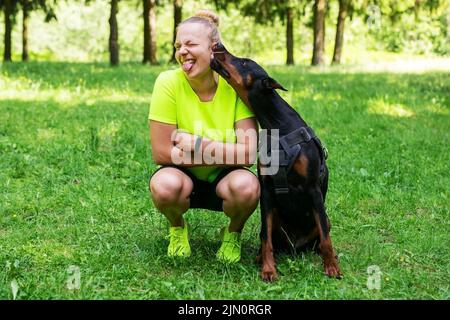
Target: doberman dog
[(292, 199)]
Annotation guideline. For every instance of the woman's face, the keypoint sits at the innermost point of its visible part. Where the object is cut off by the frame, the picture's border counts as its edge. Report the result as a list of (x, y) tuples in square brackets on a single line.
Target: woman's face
[(193, 49)]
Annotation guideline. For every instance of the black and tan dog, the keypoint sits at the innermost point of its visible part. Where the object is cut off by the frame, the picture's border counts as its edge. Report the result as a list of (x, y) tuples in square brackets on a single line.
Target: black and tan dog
[(292, 199)]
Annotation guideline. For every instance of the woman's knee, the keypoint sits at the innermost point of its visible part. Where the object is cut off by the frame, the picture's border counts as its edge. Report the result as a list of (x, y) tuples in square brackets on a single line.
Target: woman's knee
[(166, 188), (245, 189)]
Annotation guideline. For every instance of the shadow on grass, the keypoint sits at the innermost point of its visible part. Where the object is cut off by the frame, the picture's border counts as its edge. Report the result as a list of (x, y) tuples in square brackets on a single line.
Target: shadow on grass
[(87, 166), (70, 75), (325, 87)]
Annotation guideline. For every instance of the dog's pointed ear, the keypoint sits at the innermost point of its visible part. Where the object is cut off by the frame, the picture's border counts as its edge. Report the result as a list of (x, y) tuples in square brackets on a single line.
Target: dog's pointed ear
[(271, 83)]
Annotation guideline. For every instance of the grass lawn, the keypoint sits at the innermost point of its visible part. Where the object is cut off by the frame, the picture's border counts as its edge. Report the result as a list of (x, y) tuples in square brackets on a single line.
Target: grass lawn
[(75, 159)]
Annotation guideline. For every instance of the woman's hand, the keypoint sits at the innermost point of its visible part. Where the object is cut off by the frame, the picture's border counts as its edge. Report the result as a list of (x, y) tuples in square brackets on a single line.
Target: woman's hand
[(185, 141)]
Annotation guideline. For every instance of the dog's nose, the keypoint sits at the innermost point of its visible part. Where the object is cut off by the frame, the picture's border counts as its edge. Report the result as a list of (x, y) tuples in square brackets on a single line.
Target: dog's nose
[(219, 51), (218, 47)]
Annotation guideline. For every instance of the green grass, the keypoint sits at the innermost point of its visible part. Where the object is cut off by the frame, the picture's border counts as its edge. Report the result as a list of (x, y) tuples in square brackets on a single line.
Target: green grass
[(75, 161)]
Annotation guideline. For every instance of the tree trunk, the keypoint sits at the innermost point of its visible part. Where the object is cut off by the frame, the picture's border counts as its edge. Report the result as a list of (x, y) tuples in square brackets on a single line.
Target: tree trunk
[(339, 41), (7, 9), (114, 34), (26, 15), (153, 45), (417, 5), (290, 36), (319, 32), (177, 16), (150, 32)]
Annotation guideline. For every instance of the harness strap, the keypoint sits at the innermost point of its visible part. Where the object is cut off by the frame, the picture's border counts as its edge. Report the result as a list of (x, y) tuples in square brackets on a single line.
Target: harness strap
[(291, 145), (323, 154), (302, 134), (280, 182)]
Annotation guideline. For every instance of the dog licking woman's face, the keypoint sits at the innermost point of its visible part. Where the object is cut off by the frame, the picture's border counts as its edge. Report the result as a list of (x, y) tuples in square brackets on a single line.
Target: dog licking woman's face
[(193, 49)]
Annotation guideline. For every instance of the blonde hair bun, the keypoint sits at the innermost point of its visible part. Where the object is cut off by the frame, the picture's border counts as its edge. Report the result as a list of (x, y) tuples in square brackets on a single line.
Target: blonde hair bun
[(208, 15)]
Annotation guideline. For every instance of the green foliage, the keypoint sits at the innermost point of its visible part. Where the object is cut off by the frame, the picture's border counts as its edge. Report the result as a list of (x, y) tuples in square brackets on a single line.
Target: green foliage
[(405, 28), (80, 32), (75, 161), (268, 12), (14, 9), (45, 5)]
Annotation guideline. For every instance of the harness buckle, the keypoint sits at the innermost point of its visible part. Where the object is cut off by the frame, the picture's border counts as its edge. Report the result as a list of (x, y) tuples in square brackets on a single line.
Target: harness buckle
[(282, 191), (305, 134)]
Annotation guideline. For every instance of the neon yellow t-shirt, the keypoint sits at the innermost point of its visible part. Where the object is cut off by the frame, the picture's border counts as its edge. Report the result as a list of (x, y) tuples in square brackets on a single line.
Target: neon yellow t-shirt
[(175, 102)]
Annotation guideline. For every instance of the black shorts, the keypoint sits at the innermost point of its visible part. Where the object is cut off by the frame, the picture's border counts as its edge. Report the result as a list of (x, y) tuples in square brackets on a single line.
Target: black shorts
[(203, 194)]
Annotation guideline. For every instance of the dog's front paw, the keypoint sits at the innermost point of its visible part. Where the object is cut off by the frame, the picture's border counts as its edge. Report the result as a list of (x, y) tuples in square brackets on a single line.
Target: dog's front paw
[(269, 274), (332, 270)]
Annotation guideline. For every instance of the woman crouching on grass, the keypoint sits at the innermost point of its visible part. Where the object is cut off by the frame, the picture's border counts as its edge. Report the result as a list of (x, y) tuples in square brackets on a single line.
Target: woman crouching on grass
[(186, 104)]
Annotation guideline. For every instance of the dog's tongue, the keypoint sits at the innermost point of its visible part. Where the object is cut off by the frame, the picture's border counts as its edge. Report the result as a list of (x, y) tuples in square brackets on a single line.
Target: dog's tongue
[(187, 66)]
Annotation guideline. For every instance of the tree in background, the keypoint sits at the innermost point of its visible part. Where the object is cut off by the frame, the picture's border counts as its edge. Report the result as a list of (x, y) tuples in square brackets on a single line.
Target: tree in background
[(177, 17), (415, 26), (28, 6), (9, 11), (264, 13), (319, 32), (150, 32), (114, 34), (339, 40), (289, 34), (418, 26)]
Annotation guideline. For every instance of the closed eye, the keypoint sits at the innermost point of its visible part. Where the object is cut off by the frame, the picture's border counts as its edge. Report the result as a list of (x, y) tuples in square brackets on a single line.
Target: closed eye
[(189, 45)]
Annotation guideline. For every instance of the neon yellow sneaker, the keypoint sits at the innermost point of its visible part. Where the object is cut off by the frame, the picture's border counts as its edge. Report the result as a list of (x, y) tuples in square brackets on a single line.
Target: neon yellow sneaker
[(179, 242), (230, 250)]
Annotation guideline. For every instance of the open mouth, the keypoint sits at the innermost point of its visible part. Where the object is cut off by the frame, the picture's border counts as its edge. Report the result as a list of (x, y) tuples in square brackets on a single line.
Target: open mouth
[(217, 66), (218, 48), (219, 53), (188, 65)]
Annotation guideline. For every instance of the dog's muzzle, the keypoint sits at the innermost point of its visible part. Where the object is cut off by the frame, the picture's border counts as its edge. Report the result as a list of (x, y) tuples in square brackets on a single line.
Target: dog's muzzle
[(216, 66)]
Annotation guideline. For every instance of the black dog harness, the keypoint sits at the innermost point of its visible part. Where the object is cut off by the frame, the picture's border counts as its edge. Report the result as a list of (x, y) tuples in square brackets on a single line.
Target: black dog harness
[(289, 149)]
